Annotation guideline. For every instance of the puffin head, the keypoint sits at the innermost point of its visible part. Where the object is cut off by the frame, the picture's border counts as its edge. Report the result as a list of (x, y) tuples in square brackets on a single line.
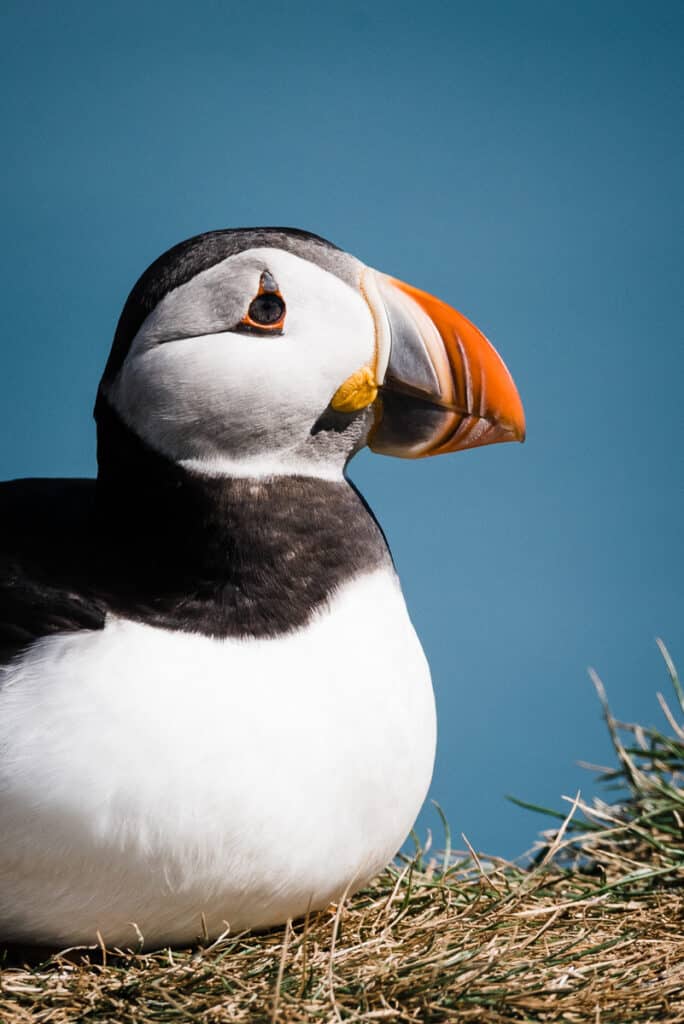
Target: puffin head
[(264, 351)]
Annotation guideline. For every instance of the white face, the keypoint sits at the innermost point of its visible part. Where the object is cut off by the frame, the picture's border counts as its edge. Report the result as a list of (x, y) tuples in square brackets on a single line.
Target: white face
[(197, 388)]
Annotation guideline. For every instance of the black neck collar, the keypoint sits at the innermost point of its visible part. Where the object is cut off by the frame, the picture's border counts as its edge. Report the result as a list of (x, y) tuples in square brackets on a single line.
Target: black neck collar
[(223, 555)]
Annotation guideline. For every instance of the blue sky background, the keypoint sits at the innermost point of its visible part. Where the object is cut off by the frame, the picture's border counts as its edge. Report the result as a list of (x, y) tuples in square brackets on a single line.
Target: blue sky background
[(523, 161)]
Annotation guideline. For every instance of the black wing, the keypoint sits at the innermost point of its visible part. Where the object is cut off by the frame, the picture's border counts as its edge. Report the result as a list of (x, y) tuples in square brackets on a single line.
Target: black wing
[(46, 551)]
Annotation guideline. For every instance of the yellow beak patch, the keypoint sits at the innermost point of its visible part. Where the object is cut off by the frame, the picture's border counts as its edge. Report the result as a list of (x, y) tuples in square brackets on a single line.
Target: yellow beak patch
[(357, 392)]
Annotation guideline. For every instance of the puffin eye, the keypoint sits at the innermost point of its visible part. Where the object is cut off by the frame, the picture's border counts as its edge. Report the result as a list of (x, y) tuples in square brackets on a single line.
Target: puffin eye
[(267, 309), (266, 313)]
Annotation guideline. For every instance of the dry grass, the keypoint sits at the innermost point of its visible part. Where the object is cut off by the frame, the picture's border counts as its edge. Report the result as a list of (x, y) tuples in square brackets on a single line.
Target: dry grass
[(591, 930)]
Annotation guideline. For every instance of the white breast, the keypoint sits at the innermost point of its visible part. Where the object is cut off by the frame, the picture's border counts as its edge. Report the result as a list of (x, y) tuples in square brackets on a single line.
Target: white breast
[(154, 777)]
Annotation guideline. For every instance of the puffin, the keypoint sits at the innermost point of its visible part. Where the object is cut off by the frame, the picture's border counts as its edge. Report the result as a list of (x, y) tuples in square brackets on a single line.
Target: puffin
[(215, 713)]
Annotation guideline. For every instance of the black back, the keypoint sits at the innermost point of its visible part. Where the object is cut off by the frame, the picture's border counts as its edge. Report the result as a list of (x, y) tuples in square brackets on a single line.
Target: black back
[(45, 550)]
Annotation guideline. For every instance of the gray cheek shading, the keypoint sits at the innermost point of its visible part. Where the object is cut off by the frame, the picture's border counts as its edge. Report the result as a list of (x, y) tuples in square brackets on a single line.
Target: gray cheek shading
[(213, 302), (199, 308), (336, 437)]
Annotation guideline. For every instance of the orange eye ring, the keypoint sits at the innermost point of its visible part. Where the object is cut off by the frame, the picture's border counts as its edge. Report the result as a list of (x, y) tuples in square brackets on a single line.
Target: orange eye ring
[(266, 313)]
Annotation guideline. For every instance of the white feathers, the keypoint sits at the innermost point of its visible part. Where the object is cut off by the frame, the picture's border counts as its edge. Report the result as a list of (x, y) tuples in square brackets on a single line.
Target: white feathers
[(152, 777), (267, 464)]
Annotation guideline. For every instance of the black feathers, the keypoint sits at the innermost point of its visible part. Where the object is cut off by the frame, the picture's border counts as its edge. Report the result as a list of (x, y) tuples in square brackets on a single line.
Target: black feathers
[(154, 543), (46, 555)]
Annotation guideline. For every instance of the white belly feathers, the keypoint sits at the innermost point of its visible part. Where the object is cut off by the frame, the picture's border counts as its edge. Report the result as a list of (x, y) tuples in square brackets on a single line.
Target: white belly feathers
[(150, 777)]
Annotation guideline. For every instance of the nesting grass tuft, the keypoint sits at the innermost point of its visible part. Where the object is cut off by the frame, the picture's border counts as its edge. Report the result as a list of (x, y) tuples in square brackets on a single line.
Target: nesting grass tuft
[(591, 929)]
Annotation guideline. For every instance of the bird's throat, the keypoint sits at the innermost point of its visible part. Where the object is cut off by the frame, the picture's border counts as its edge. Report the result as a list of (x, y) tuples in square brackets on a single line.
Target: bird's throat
[(224, 555)]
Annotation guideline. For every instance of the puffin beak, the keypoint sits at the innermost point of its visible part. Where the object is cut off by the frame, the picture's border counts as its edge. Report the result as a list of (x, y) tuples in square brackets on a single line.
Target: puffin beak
[(442, 386)]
